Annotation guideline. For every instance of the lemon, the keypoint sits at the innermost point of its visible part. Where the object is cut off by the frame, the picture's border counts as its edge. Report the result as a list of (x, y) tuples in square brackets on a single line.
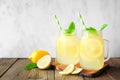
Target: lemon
[(68, 70), (77, 70), (94, 48), (44, 62), (37, 54)]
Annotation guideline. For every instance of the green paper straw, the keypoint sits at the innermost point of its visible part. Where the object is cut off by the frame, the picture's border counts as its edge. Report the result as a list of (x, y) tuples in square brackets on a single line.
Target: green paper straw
[(57, 21), (81, 19)]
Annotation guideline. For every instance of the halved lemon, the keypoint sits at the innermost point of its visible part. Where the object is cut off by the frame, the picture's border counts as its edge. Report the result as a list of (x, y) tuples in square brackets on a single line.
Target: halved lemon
[(44, 62), (37, 54), (68, 70), (77, 70)]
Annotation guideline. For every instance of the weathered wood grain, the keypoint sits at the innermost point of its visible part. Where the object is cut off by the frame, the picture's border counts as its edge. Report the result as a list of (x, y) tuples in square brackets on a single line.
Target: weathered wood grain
[(36, 74), (50, 75), (114, 70), (5, 64), (51, 72), (16, 72), (67, 77), (103, 76)]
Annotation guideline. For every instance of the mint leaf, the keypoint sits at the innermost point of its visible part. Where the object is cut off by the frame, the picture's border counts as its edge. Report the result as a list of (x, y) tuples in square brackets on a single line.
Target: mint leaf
[(91, 30), (70, 29), (30, 66), (103, 27)]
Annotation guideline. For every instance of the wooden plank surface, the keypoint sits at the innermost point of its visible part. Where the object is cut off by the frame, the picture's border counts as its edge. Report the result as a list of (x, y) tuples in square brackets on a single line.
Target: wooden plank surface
[(16, 72), (114, 70), (67, 77), (50, 74), (5, 64), (36, 74), (103, 76), (13, 69), (112, 73)]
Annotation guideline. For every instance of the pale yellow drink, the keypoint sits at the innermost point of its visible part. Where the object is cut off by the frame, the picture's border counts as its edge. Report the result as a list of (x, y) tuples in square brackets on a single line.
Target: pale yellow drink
[(91, 51), (67, 49)]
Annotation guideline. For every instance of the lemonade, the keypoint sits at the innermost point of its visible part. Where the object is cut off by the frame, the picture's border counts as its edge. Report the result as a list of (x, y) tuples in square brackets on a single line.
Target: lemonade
[(67, 45), (92, 47), (67, 49), (91, 51)]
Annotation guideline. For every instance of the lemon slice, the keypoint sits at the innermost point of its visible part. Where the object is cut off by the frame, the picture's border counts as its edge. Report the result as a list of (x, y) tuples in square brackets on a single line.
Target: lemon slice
[(44, 62), (69, 69), (94, 48), (77, 70)]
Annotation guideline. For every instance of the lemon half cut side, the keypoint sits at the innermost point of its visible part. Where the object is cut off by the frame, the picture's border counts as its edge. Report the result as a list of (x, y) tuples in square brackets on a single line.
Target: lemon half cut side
[(44, 62)]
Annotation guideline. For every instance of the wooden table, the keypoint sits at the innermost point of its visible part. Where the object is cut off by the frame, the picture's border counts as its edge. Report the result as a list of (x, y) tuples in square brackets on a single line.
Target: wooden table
[(13, 69)]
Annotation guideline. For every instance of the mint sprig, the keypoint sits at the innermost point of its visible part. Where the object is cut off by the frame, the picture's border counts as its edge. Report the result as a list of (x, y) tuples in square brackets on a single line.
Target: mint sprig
[(91, 30), (103, 27), (70, 29), (88, 29), (30, 66)]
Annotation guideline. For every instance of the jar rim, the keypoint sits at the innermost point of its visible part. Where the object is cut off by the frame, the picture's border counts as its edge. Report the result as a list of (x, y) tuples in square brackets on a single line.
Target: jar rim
[(99, 32)]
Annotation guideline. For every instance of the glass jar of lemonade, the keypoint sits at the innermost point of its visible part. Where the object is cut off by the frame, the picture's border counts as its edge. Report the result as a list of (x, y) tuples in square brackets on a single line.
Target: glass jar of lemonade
[(92, 48), (67, 49), (67, 44)]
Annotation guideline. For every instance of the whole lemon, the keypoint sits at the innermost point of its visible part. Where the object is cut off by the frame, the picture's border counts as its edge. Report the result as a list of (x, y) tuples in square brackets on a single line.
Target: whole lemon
[(37, 54)]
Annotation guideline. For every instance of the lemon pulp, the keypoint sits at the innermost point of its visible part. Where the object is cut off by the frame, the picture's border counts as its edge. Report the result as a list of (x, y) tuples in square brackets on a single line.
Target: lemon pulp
[(44, 62)]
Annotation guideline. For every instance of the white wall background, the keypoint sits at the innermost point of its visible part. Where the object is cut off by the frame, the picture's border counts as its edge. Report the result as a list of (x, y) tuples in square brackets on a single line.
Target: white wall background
[(27, 25)]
